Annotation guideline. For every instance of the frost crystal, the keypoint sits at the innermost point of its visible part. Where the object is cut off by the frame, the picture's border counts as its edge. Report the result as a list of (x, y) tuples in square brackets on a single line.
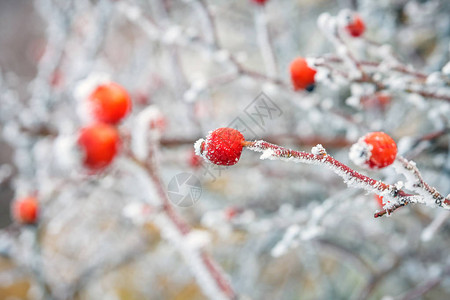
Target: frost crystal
[(198, 147), (137, 212), (198, 239), (360, 153), (85, 87), (66, 153), (267, 154), (446, 69), (282, 247), (82, 91), (142, 133), (318, 150)]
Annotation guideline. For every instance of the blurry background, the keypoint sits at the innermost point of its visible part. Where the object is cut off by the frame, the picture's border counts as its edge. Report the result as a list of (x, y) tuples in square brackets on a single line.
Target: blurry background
[(278, 230)]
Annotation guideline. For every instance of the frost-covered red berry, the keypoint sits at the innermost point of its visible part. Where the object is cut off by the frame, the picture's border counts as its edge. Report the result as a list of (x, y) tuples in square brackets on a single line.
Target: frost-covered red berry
[(356, 26), (109, 102), (222, 146), (302, 75), (26, 210), (374, 150), (99, 143)]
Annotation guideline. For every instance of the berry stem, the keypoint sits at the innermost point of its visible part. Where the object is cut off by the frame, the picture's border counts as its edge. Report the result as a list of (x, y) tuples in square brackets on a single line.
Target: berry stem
[(400, 68), (420, 186), (350, 176)]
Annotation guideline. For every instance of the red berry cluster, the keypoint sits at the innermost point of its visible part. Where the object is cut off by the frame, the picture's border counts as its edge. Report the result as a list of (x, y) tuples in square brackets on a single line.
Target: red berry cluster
[(374, 150), (222, 146), (99, 142), (302, 75)]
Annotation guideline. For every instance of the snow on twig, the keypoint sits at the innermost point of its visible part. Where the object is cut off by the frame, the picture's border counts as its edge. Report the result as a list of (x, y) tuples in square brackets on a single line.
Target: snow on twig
[(396, 197)]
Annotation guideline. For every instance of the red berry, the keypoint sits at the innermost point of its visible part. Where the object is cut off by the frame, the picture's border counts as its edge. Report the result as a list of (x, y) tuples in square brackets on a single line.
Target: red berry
[(110, 103), (379, 100), (99, 143), (356, 26), (231, 212), (375, 150), (25, 210), (302, 75), (261, 2), (222, 146), (195, 161)]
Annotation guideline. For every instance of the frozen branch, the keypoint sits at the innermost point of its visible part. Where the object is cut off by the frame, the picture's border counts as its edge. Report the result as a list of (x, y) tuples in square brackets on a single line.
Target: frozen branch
[(209, 275), (395, 196), (264, 41), (416, 183)]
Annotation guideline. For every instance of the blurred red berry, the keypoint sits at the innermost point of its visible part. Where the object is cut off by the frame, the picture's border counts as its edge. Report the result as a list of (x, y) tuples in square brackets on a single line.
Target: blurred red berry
[(260, 2), (110, 103), (231, 212), (378, 101), (25, 210), (56, 79), (222, 146), (302, 75), (356, 26), (195, 161), (100, 143)]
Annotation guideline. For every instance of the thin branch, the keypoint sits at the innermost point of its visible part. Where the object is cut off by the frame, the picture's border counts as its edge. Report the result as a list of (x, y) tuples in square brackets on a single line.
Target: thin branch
[(200, 261), (210, 22), (379, 277), (353, 178), (421, 186), (265, 42), (427, 286), (106, 265)]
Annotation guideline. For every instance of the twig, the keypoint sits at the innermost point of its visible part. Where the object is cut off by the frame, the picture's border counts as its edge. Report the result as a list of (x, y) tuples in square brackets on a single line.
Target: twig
[(351, 177), (207, 272), (420, 186), (427, 286), (378, 277), (264, 41), (86, 277), (211, 25)]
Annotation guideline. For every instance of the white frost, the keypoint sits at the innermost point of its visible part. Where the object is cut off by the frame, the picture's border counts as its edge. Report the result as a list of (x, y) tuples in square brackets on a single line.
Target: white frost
[(446, 69), (137, 212), (283, 246), (197, 147), (66, 152), (318, 150), (142, 134), (360, 153), (267, 154)]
